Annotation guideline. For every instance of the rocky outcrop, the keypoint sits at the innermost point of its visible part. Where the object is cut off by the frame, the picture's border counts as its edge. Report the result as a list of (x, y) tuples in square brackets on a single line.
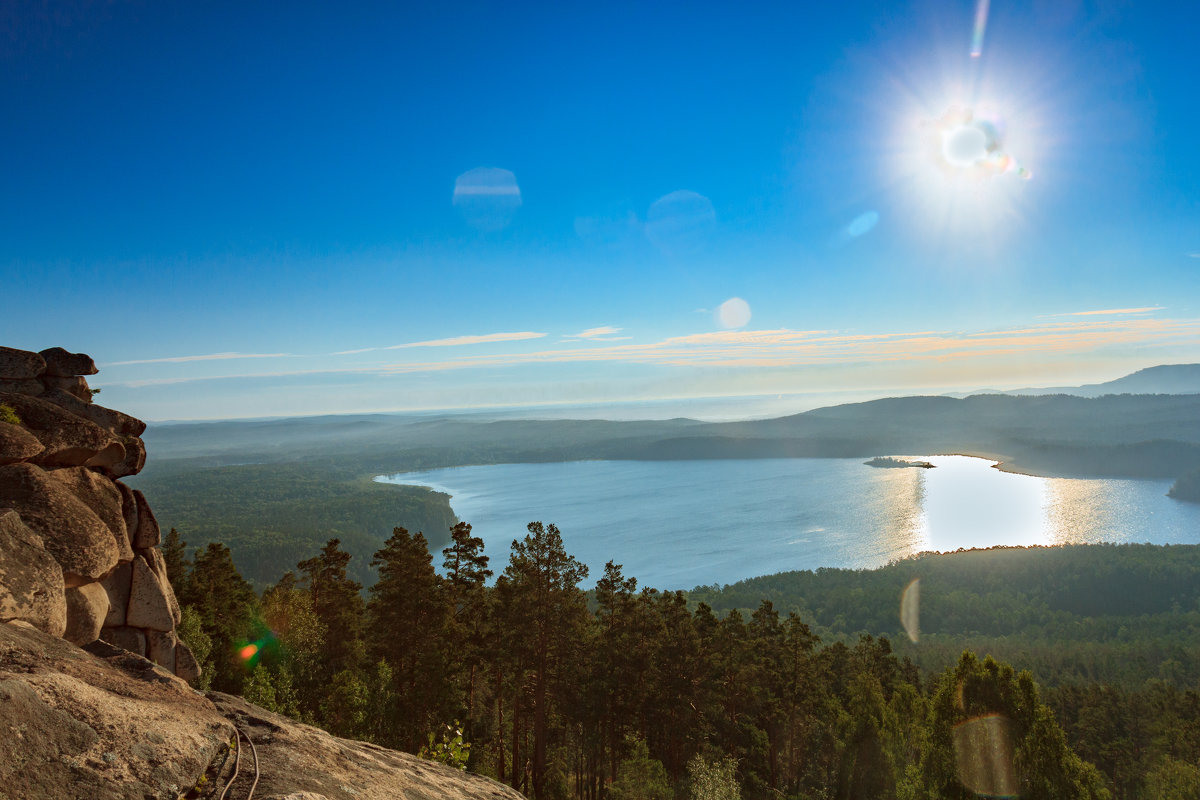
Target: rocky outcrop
[(101, 722), (79, 553), (298, 760), (17, 444)]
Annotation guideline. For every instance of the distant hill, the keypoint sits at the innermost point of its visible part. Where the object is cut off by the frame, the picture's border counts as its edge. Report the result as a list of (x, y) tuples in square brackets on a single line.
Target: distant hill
[(1163, 379)]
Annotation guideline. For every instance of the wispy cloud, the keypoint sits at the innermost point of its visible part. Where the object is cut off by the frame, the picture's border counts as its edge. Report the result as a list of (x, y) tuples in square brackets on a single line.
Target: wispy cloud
[(591, 333), (782, 348), (1193, 255), (486, 338), (455, 341), (1105, 312), (209, 357), (601, 334), (1115, 311)]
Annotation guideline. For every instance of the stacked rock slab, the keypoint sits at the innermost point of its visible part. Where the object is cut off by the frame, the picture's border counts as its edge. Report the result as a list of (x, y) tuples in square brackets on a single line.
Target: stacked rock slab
[(79, 550)]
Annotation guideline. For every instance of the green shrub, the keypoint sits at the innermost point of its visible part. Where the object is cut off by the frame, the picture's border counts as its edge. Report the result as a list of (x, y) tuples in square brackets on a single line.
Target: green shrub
[(451, 750), (9, 414)]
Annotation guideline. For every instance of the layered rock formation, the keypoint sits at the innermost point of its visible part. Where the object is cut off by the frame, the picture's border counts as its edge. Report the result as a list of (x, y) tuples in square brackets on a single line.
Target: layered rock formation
[(79, 555)]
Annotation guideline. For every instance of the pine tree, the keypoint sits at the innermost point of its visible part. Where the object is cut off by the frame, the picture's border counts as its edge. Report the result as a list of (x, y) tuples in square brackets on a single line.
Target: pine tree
[(226, 606), (616, 665), (408, 618), (174, 551), (294, 647), (989, 733), (337, 602), (545, 613), (466, 569)]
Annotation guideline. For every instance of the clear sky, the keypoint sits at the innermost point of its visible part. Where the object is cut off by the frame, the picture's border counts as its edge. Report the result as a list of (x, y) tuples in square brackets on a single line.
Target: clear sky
[(264, 209)]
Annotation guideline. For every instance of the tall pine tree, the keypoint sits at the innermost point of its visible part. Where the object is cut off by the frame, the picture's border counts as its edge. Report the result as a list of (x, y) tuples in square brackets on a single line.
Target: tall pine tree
[(408, 617), (545, 615)]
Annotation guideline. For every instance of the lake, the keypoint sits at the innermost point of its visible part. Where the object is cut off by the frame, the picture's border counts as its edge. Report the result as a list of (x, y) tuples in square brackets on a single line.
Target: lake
[(680, 524)]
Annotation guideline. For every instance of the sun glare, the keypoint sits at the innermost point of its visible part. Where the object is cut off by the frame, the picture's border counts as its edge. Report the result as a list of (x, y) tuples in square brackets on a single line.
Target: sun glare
[(965, 166), (968, 136)]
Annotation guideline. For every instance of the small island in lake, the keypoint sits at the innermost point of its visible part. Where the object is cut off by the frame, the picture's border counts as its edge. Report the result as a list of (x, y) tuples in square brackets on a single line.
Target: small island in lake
[(887, 462), (1187, 487)]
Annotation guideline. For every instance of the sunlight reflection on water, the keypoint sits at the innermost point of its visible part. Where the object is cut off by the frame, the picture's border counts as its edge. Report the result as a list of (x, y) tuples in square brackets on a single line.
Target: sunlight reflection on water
[(678, 524)]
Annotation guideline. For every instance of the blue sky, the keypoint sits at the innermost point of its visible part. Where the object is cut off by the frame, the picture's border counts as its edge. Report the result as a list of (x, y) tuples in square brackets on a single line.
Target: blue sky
[(276, 209)]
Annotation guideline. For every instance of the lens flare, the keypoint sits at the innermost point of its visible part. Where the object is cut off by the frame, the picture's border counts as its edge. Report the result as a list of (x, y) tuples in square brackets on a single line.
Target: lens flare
[(910, 609), (487, 197), (984, 754), (981, 15), (733, 313), (681, 223), (862, 224), (249, 651)]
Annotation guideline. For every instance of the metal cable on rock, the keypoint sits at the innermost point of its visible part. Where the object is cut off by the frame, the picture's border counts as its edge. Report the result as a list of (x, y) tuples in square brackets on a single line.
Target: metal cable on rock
[(253, 750), (237, 762)]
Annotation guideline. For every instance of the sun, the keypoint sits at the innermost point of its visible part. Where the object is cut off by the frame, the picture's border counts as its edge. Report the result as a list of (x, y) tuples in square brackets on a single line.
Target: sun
[(967, 130), (964, 144)]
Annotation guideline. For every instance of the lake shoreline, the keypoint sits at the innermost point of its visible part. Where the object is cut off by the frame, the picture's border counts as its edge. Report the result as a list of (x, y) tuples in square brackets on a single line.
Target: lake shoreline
[(694, 522)]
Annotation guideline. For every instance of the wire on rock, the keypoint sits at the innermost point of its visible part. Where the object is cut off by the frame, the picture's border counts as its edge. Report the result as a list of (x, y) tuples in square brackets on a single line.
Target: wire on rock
[(237, 763)]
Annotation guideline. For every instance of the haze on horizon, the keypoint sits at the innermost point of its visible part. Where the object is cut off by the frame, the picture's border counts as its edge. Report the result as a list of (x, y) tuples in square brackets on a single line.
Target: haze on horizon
[(245, 212)]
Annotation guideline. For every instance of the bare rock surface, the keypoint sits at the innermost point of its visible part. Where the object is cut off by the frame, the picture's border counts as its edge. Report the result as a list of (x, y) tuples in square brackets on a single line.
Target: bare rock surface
[(117, 584), (298, 760), (131, 639), (23, 386), (103, 497), (87, 606), (129, 509), (31, 584), (147, 533), (158, 565), (115, 421), (98, 723), (135, 458), (104, 723), (20, 364), (148, 605), (62, 363), (70, 440), (17, 444), (162, 649), (79, 540), (76, 386)]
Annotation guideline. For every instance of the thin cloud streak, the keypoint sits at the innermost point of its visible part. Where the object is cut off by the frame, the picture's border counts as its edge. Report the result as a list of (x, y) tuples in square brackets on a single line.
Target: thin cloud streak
[(787, 348), (1114, 311), (591, 333), (209, 357), (1107, 312), (455, 341), (462, 340)]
